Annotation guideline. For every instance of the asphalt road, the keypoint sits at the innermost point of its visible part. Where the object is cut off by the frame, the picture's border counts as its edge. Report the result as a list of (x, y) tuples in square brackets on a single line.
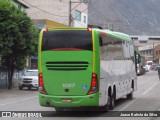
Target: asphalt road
[(146, 98)]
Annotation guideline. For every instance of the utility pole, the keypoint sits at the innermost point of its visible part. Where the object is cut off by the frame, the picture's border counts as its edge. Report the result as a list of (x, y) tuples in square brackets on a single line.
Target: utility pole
[(153, 52), (70, 17)]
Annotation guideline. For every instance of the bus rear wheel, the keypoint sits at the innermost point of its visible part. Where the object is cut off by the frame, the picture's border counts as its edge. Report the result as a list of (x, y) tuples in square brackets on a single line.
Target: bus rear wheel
[(111, 101), (104, 108)]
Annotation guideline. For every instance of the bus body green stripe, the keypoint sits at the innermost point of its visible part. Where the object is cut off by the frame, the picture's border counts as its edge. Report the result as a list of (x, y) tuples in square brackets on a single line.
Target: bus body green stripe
[(40, 52), (93, 53)]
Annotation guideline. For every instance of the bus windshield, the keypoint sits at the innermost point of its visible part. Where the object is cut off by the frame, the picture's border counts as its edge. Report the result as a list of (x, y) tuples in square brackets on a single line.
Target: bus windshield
[(67, 40)]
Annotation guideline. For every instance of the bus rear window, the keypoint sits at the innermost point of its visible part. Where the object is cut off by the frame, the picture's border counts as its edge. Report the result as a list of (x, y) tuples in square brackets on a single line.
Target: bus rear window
[(67, 40)]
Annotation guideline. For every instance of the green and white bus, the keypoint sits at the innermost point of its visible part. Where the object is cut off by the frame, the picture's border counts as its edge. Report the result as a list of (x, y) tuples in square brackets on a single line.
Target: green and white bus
[(85, 67)]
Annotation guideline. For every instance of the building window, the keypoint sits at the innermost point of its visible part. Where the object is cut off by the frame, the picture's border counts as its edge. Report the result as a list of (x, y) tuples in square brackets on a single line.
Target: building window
[(142, 41), (77, 15), (85, 19), (150, 51), (156, 52), (154, 38), (147, 52), (134, 38)]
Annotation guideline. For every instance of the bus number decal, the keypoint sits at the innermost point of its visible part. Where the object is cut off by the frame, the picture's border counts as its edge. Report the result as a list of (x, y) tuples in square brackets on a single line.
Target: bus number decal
[(68, 85)]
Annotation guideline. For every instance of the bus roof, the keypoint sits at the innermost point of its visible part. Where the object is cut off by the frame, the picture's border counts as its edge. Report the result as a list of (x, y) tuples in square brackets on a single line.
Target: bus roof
[(107, 32), (114, 34), (67, 28)]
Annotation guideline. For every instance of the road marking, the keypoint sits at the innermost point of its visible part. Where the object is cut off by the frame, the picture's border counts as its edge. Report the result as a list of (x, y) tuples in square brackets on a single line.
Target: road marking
[(18, 97), (149, 88), (128, 105), (137, 99), (18, 101)]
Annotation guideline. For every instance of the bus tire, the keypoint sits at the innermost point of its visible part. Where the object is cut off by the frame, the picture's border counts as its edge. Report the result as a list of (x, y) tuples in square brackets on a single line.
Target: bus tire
[(130, 96), (104, 108), (112, 102)]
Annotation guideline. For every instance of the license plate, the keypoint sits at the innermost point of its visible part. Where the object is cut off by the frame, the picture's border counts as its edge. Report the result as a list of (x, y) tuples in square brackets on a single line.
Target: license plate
[(66, 100)]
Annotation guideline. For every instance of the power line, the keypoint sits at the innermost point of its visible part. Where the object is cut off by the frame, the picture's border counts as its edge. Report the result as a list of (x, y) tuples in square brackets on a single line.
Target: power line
[(44, 10), (75, 6), (58, 15), (81, 12)]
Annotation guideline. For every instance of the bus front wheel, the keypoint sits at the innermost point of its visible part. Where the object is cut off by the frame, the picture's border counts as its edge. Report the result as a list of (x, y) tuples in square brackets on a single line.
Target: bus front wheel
[(130, 96)]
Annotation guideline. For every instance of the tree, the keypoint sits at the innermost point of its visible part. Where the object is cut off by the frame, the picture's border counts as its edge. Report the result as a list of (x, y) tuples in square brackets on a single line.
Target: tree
[(18, 38)]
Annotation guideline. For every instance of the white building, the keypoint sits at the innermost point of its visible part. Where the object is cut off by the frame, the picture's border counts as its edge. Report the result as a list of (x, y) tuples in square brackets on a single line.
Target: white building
[(141, 41), (58, 11)]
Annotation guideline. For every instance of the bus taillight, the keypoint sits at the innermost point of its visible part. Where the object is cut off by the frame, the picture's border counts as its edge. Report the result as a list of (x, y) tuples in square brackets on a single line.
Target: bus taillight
[(94, 84), (41, 84)]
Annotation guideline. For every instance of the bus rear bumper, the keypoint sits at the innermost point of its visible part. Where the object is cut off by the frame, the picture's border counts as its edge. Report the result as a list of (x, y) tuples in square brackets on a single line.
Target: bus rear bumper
[(69, 101)]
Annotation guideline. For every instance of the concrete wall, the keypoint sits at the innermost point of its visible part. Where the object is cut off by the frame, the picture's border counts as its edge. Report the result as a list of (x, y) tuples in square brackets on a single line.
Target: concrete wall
[(15, 80), (3, 79)]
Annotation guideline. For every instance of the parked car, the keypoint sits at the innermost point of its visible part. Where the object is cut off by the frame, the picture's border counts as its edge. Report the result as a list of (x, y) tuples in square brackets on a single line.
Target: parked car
[(146, 68), (29, 79), (149, 64)]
